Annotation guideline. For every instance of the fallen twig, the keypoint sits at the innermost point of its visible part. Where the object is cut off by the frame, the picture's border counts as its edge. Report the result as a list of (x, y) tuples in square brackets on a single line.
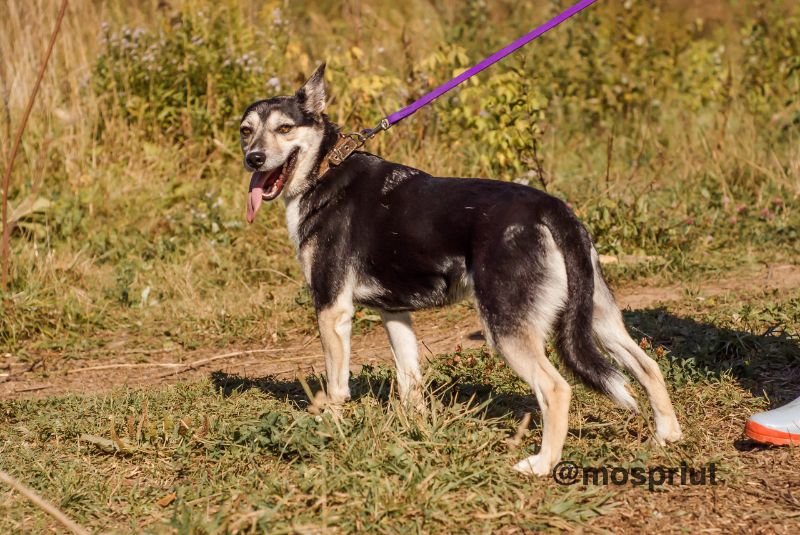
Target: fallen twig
[(126, 351), (194, 365), (172, 364), (41, 503), (127, 365), (32, 388)]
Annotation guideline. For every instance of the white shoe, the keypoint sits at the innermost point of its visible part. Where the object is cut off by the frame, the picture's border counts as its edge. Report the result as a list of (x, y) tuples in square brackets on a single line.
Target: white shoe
[(779, 427)]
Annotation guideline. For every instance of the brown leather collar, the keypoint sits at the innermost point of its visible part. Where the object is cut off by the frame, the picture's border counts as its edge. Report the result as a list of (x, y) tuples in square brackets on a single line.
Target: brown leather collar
[(347, 144), (344, 147)]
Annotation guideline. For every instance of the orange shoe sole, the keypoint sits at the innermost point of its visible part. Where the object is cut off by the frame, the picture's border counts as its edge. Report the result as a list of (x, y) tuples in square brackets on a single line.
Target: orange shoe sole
[(765, 435)]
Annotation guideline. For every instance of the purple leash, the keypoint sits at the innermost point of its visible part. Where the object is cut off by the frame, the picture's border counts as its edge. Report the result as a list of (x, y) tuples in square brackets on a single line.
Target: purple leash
[(488, 62), (356, 140)]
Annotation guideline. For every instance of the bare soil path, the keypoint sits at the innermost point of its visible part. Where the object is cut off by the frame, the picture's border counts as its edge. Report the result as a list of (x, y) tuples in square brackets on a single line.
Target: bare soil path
[(439, 331)]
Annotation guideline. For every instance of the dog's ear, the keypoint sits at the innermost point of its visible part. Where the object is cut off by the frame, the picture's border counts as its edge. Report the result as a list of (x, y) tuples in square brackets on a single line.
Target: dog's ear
[(312, 95)]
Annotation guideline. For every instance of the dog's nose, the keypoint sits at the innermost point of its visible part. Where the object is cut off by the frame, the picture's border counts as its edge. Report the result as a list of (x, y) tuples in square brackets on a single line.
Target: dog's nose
[(256, 159)]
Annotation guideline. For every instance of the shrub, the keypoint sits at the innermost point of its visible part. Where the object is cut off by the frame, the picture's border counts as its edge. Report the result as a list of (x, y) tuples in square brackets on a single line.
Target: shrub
[(190, 78), (771, 62)]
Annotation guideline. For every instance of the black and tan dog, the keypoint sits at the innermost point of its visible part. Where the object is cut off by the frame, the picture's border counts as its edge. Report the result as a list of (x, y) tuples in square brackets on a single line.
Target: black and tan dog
[(397, 239)]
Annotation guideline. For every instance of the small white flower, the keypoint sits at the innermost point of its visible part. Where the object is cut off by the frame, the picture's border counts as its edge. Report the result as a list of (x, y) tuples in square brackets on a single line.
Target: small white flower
[(145, 295)]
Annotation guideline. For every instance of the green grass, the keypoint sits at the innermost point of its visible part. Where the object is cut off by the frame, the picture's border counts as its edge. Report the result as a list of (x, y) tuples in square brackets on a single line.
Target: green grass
[(255, 458), (752, 335), (672, 147), (252, 455)]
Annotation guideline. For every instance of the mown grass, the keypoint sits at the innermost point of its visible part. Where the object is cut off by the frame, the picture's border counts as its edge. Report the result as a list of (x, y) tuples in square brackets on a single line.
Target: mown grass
[(251, 454), (252, 460)]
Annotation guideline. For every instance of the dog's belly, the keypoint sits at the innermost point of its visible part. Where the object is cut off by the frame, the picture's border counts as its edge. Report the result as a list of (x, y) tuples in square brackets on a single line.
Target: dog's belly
[(396, 290)]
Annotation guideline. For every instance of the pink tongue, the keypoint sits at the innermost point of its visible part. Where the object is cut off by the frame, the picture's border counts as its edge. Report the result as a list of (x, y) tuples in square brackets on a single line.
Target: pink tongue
[(254, 203)]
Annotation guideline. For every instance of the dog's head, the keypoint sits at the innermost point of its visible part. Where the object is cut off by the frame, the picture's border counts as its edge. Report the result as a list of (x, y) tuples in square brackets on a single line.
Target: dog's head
[(281, 138)]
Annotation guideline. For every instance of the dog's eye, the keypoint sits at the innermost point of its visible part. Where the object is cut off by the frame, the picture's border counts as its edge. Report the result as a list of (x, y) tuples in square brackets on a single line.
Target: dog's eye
[(284, 129), (246, 131)]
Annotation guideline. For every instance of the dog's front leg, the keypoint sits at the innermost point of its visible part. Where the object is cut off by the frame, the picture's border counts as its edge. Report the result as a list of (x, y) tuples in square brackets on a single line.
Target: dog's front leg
[(335, 326), (406, 356)]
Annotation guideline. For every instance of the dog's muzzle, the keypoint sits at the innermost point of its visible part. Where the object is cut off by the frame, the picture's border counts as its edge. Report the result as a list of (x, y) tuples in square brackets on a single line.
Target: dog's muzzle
[(267, 185)]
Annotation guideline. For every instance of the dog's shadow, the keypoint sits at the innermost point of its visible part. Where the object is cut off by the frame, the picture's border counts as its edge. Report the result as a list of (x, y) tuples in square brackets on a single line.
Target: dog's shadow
[(761, 363), (378, 384), (766, 363)]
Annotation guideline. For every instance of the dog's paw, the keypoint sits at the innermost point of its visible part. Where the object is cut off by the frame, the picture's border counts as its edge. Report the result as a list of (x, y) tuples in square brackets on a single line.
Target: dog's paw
[(338, 397), (414, 401), (668, 431), (535, 465)]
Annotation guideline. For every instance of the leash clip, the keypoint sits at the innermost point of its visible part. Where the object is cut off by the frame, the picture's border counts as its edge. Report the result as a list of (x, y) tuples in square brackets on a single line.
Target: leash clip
[(349, 143)]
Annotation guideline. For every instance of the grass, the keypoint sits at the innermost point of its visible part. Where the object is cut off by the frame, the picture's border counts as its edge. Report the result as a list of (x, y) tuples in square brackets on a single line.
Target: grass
[(671, 128), (138, 230), (250, 454), (376, 469)]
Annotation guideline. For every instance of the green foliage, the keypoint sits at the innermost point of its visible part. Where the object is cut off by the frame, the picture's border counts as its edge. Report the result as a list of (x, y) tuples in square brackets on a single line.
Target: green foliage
[(771, 61), (624, 61), (503, 117), (476, 367), (649, 124), (191, 77), (285, 436)]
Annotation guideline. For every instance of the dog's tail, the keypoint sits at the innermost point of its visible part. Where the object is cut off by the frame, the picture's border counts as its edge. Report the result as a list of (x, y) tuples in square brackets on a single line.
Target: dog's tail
[(573, 329)]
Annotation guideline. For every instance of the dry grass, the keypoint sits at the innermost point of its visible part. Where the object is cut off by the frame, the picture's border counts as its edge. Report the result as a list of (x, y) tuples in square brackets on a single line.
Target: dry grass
[(143, 237), (241, 454)]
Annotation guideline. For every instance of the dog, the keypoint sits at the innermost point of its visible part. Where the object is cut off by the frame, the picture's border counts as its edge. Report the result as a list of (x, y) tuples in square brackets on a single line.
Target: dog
[(397, 239)]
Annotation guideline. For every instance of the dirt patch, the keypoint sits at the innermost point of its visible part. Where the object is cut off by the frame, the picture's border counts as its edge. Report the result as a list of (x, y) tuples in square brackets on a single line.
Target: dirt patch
[(781, 277), (439, 331)]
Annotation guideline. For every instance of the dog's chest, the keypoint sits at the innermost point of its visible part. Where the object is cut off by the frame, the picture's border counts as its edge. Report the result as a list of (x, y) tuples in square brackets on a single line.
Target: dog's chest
[(293, 221)]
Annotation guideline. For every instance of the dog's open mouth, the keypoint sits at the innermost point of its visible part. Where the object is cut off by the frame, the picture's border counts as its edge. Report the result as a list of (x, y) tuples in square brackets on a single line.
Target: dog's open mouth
[(266, 185)]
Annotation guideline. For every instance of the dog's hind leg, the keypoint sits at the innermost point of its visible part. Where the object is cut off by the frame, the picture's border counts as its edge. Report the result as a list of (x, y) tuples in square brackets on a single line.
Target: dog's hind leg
[(406, 356), (335, 326), (525, 354), (520, 290), (610, 332)]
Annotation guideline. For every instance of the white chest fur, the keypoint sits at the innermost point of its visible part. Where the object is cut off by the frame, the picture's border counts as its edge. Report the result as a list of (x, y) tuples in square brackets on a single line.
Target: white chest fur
[(293, 220)]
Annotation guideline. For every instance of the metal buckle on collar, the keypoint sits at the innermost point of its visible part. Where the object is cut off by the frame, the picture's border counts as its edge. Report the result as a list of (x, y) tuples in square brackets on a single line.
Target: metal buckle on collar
[(349, 143), (346, 145)]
